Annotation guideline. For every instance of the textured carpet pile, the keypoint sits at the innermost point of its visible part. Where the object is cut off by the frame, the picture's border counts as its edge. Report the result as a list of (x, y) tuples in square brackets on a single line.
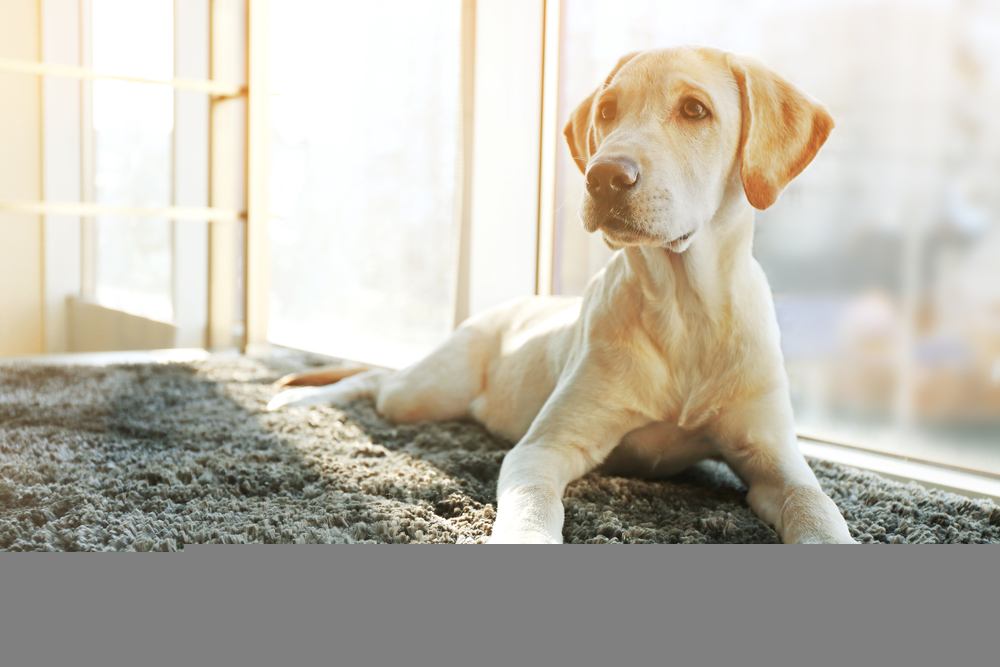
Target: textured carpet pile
[(153, 457)]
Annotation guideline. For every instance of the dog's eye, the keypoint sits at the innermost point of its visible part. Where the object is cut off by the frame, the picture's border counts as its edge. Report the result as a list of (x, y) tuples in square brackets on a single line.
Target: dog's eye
[(693, 109), (608, 110)]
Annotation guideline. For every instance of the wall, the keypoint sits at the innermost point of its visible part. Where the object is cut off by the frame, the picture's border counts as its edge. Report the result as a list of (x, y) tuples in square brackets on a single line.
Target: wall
[(21, 236)]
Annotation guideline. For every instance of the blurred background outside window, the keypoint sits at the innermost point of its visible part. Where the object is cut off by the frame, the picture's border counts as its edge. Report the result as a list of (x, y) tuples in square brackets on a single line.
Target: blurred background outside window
[(132, 164), (364, 141), (884, 256)]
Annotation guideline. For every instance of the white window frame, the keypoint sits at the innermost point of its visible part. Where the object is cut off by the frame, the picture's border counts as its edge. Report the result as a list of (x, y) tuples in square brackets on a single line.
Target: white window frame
[(505, 152), (62, 147), (190, 173), (204, 263)]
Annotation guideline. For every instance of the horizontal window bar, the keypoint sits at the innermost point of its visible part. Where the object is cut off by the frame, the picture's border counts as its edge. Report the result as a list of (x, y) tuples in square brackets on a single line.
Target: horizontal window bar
[(90, 210), (214, 88)]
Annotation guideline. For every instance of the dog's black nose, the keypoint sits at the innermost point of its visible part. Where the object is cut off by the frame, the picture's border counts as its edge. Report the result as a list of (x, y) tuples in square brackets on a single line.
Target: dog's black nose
[(611, 177)]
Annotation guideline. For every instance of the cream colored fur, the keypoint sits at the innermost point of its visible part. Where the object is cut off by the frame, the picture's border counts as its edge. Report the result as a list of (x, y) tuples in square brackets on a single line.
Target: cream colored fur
[(672, 354)]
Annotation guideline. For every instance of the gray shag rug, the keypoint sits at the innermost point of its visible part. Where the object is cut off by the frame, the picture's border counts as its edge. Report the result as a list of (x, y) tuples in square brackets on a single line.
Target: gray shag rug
[(153, 457)]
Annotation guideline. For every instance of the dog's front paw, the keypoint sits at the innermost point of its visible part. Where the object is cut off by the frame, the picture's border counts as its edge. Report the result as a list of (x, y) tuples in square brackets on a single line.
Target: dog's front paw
[(522, 536), (820, 535), (826, 539)]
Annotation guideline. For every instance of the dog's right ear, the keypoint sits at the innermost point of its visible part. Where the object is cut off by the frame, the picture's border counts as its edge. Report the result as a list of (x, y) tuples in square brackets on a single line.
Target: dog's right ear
[(579, 131), (783, 129)]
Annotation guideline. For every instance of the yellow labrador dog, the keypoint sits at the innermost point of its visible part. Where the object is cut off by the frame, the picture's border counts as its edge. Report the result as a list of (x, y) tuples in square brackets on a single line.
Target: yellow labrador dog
[(672, 354)]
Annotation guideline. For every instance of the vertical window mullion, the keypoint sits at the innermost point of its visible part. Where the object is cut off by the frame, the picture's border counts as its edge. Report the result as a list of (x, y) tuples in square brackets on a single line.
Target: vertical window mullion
[(547, 147), (88, 232), (226, 45), (61, 178), (255, 233), (463, 205), (189, 280)]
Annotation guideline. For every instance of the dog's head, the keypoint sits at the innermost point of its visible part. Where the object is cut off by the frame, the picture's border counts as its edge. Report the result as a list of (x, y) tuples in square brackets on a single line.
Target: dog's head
[(667, 133)]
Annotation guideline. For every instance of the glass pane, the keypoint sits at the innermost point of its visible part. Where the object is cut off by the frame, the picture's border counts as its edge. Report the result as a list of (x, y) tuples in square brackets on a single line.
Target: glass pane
[(364, 144), (133, 124), (883, 254)]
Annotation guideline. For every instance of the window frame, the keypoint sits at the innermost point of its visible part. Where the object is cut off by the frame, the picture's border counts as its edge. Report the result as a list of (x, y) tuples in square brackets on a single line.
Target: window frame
[(66, 196)]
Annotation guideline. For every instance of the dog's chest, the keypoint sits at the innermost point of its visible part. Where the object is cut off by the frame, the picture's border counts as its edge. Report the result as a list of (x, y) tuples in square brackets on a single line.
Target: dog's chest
[(696, 372)]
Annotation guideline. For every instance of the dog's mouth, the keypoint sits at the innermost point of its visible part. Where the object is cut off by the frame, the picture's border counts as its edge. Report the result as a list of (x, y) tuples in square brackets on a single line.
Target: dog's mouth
[(679, 244), (619, 233), (620, 230), (614, 219), (624, 234), (618, 224)]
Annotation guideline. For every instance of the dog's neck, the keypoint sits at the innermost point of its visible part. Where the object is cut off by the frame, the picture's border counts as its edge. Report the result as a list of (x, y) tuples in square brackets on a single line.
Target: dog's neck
[(707, 276)]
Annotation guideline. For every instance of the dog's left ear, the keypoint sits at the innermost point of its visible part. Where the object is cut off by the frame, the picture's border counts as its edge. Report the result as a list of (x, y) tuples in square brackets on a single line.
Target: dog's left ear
[(579, 131), (782, 130)]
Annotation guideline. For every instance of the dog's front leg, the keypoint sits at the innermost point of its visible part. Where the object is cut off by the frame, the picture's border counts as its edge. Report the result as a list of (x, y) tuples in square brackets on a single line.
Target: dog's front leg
[(570, 437), (758, 441)]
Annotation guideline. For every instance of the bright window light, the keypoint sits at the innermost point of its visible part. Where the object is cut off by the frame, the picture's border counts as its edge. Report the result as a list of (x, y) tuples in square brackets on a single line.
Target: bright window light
[(363, 158), (132, 125)]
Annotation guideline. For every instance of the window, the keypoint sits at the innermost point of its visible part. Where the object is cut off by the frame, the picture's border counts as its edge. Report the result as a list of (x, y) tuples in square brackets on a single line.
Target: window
[(132, 163), (882, 256), (405, 174), (365, 132), (132, 139)]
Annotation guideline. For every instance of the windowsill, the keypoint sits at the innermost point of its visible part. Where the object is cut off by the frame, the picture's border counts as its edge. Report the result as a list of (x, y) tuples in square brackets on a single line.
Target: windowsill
[(962, 447), (172, 355), (964, 482)]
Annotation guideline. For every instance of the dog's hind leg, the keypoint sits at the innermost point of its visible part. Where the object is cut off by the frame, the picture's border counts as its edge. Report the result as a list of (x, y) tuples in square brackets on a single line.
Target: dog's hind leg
[(319, 376), (363, 385), (443, 384), (440, 386)]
